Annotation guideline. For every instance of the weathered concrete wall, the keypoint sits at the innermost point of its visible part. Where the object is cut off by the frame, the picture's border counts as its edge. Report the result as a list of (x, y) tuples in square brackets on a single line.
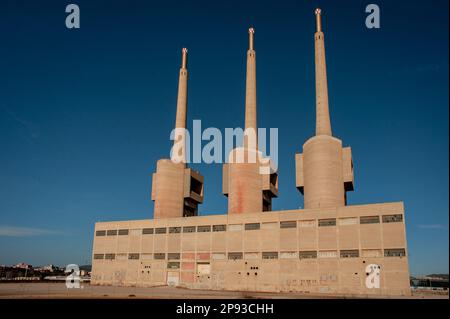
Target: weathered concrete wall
[(205, 259)]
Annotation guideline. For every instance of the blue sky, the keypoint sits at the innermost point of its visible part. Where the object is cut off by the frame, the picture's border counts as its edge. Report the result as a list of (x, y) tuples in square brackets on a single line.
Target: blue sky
[(85, 114)]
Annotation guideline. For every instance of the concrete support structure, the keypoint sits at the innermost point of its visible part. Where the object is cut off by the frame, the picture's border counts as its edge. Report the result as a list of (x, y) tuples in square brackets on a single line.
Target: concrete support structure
[(248, 189), (324, 172), (176, 189)]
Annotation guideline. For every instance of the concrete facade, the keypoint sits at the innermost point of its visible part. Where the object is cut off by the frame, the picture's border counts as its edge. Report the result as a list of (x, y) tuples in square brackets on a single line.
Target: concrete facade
[(328, 247), (310, 251)]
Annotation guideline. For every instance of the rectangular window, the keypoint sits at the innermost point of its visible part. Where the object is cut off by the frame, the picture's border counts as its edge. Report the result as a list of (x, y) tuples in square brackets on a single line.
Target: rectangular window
[(135, 232), (371, 253), (252, 226), (397, 252), (288, 254), (348, 221), (234, 256), (327, 254), (327, 222), (146, 256), (147, 231), (288, 224), (269, 225), (100, 233), (350, 253), (161, 230), (159, 256), (251, 255), (219, 227), (133, 256), (121, 256), (189, 229), (173, 265), (174, 230), (218, 256), (270, 255), (110, 256), (307, 254), (204, 229), (392, 218), (98, 256), (307, 223), (123, 232), (111, 232), (369, 220), (173, 256), (235, 227)]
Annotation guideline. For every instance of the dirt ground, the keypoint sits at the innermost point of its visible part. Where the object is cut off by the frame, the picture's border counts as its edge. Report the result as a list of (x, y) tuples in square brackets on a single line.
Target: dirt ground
[(59, 290)]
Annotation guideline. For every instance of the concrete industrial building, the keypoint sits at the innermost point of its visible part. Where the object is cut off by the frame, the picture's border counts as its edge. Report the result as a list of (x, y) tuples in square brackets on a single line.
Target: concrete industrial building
[(327, 247)]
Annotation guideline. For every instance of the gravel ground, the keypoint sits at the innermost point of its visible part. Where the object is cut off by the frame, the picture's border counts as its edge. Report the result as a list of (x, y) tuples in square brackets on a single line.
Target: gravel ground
[(59, 290)]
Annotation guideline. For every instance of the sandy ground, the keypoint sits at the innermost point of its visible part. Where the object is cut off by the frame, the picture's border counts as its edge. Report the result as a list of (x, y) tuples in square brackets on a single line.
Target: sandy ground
[(59, 290)]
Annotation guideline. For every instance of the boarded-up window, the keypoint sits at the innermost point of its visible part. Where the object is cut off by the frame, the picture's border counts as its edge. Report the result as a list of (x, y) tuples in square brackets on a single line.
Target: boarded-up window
[(135, 232), (146, 256), (348, 221), (123, 232), (99, 256), (353, 253), (100, 233), (121, 256), (110, 256), (252, 226), (174, 230), (288, 224), (159, 256), (396, 252), (269, 225), (327, 254), (133, 256), (288, 254), (392, 218), (251, 255), (371, 253), (173, 265), (270, 255), (204, 229), (147, 231), (327, 222), (189, 229), (161, 230), (111, 232), (218, 256), (307, 254), (172, 256), (219, 227), (307, 223), (203, 268), (234, 256), (235, 227), (369, 219)]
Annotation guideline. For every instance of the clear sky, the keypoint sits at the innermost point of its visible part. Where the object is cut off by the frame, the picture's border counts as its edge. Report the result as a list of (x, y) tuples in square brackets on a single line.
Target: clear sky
[(85, 114)]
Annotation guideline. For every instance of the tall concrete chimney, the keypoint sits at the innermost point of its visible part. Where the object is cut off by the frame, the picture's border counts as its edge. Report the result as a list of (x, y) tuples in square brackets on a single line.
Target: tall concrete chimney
[(251, 140), (324, 172), (323, 124), (249, 190), (180, 121), (176, 189)]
